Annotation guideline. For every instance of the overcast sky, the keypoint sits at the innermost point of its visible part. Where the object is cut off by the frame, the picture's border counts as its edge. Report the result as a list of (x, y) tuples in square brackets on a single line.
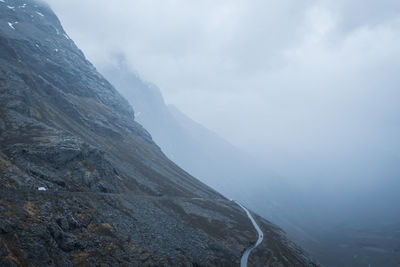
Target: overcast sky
[(315, 79)]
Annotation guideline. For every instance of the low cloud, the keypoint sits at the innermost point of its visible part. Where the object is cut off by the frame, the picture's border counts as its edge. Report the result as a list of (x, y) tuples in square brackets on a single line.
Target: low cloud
[(309, 86)]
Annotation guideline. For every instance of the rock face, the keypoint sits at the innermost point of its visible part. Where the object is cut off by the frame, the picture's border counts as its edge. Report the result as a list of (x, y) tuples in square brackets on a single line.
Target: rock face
[(111, 196)]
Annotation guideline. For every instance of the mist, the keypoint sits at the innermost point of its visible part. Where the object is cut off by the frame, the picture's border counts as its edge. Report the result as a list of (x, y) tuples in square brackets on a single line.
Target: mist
[(309, 89)]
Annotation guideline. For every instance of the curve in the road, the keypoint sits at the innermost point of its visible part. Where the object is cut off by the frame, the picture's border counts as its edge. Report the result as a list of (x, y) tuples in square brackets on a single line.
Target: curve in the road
[(245, 257)]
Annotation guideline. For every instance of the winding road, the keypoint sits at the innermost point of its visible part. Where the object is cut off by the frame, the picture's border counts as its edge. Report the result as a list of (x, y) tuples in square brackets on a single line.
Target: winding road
[(245, 257)]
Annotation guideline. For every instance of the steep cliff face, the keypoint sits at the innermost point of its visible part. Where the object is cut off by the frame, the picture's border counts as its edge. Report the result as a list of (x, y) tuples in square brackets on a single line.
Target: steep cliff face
[(111, 196)]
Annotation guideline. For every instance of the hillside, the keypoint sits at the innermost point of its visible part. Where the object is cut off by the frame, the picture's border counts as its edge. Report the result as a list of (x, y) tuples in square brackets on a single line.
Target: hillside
[(82, 183)]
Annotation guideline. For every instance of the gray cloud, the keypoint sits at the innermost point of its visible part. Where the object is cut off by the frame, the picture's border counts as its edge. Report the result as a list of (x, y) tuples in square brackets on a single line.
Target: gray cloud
[(309, 86)]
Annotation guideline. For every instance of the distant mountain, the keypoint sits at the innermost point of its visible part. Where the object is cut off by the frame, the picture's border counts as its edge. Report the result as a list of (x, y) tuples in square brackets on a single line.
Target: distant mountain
[(208, 156), (83, 184), (309, 216), (193, 147)]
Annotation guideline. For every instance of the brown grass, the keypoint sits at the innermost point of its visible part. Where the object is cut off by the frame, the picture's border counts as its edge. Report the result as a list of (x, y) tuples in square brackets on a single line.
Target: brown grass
[(10, 208), (80, 258), (14, 253), (32, 209)]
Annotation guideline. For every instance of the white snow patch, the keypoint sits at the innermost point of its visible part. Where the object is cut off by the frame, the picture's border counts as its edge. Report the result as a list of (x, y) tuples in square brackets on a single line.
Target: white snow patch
[(37, 45), (11, 25), (42, 189), (66, 36), (40, 14), (2, 1), (57, 31), (23, 6), (11, 7), (56, 50)]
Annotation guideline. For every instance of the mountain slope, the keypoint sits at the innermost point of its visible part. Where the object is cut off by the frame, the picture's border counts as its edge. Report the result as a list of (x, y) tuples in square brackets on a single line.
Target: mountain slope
[(113, 198), (207, 156), (196, 149)]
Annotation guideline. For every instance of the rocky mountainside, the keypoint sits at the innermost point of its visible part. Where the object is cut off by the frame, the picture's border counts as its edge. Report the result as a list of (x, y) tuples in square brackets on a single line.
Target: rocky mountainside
[(83, 184)]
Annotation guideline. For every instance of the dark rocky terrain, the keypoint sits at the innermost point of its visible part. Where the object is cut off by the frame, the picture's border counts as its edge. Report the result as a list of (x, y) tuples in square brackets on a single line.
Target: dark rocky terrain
[(113, 198)]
